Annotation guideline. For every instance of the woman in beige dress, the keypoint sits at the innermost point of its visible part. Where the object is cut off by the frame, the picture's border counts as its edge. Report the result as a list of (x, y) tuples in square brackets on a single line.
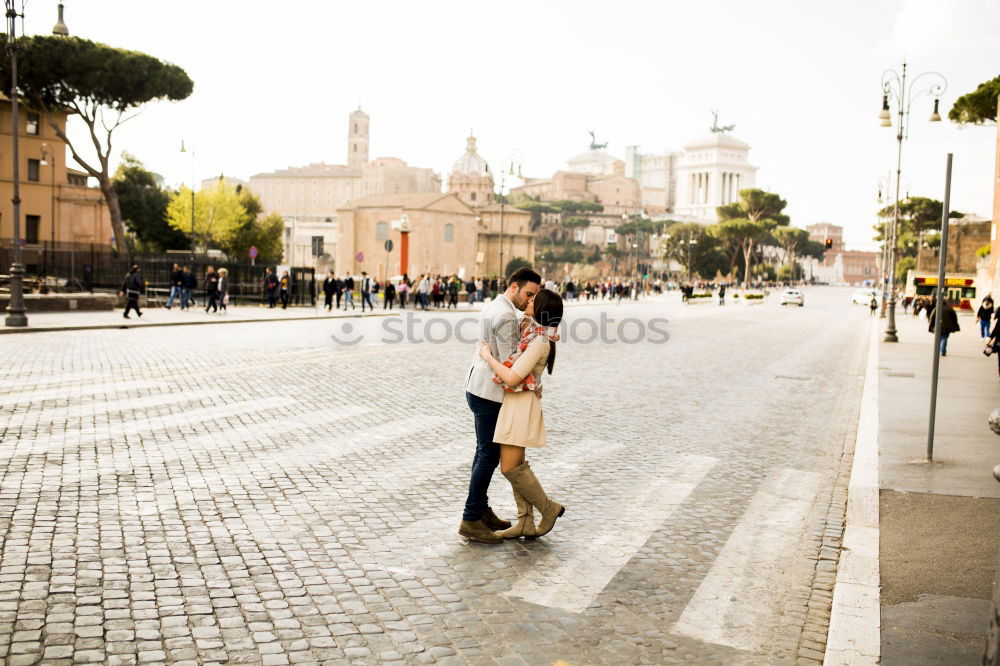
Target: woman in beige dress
[(520, 423)]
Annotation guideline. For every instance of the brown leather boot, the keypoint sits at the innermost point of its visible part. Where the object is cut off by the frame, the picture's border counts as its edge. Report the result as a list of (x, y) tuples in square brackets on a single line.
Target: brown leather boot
[(493, 522), (525, 525), (524, 482), (477, 531)]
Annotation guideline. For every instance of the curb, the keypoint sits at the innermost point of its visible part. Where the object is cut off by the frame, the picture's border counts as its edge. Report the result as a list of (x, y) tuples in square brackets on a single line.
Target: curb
[(92, 327), (855, 633)]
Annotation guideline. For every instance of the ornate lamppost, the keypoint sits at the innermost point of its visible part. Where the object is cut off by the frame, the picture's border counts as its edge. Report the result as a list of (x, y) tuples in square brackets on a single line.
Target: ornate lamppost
[(894, 86), (16, 310)]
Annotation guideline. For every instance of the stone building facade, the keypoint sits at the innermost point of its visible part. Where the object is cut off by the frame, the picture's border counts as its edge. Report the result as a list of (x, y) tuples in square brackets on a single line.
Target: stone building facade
[(56, 203), (309, 197)]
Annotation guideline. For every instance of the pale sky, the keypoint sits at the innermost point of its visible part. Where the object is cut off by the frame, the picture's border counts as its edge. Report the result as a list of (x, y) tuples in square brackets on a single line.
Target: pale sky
[(274, 82)]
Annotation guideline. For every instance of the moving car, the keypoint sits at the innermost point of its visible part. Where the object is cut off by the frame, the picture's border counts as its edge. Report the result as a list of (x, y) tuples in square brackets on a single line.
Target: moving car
[(863, 296), (793, 296)]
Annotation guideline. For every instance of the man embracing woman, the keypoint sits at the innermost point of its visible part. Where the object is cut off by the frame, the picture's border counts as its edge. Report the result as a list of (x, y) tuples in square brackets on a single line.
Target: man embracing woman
[(503, 389)]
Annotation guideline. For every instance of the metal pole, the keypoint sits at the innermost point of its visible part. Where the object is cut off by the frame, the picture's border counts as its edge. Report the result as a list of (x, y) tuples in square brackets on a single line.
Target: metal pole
[(15, 309), (890, 331), (939, 301)]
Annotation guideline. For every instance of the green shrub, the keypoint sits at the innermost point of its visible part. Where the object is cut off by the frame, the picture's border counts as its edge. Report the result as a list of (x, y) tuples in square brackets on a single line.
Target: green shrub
[(754, 297)]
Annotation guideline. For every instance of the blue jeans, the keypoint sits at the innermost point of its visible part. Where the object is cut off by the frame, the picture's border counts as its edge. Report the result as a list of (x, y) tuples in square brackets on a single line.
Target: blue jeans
[(175, 292), (487, 457), (944, 344), (984, 329), (185, 297)]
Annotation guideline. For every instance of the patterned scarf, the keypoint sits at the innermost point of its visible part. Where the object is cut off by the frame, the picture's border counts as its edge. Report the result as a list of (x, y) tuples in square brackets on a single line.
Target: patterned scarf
[(531, 382)]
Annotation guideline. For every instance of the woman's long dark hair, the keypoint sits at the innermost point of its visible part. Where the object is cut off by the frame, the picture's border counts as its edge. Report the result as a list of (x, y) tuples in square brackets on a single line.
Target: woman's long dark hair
[(548, 307)]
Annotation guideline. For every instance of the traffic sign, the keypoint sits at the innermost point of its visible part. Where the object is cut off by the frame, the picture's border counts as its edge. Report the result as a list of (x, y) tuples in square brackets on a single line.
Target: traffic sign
[(388, 245), (253, 251), (360, 257)]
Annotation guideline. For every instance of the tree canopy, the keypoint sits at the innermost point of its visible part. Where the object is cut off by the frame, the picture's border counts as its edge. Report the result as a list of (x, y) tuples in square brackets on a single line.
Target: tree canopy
[(746, 223), (979, 106), (99, 83), (228, 218), (143, 204)]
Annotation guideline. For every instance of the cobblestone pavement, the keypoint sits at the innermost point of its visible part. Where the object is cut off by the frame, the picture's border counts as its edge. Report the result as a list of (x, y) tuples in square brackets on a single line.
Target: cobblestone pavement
[(261, 494)]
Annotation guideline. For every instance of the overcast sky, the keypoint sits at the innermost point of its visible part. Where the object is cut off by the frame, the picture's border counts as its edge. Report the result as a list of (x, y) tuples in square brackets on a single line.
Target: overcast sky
[(274, 82)]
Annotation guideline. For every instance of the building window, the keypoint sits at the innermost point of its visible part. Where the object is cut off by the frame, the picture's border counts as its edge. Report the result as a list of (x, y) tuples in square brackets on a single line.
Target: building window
[(381, 231), (33, 170), (31, 125), (449, 233), (472, 196), (32, 223)]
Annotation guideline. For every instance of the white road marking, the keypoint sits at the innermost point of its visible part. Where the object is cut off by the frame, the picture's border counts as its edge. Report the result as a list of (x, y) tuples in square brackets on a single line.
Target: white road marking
[(572, 582), (737, 601)]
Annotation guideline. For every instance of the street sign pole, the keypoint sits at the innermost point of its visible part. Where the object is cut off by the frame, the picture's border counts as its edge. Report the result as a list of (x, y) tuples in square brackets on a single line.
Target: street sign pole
[(938, 303)]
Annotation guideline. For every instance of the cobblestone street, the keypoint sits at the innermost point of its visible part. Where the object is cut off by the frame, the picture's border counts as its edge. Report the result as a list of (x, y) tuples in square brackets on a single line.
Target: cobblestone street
[(260, 493)]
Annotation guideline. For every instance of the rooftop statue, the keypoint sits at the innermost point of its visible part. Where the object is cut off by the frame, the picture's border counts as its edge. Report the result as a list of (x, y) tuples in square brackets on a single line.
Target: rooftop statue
[(716, 128), (593, 142)]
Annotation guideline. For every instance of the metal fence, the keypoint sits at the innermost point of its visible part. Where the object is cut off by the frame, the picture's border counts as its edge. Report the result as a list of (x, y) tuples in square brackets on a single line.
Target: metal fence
[(92, 266)]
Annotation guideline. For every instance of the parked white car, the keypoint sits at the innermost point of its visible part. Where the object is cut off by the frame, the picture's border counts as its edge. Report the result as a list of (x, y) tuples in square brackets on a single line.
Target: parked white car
[(863, 296), (793, 296)]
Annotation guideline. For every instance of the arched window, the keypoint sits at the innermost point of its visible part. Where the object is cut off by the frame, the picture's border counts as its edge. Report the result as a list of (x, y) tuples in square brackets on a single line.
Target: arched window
[(449, 233), (381, 231)]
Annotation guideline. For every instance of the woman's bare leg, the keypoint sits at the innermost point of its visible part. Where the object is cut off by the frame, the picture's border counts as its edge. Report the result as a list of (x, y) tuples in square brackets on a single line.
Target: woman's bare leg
[(510, 457)]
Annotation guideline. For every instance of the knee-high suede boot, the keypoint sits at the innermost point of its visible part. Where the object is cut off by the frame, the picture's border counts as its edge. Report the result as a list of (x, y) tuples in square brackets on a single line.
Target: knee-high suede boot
[(525, 524), (524, 482)]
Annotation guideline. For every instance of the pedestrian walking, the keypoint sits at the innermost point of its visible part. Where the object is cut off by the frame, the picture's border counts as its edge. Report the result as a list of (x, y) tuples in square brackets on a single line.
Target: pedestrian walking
[(285, 289), (453, 286), (190, 284), (873, 305), (211, 289), (329, 287), (983, 316), (520, 423), (223, 290), (366, 288), (176, 285), (404, 290), (722, 294), (270, 287), (132, 287), (422, 290), (501, 333), (949, 325), (390, 295), (993, 343), (349, 293)]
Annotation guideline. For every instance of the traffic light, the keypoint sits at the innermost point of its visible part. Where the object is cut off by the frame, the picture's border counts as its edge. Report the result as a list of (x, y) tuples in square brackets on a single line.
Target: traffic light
[(829, 243)]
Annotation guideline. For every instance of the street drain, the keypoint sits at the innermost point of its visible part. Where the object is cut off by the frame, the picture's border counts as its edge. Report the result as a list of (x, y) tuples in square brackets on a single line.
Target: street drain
[(792, 378), (899, 374)]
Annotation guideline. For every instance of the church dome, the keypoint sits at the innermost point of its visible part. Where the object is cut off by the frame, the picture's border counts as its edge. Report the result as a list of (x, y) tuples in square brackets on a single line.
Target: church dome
[(470, 163)]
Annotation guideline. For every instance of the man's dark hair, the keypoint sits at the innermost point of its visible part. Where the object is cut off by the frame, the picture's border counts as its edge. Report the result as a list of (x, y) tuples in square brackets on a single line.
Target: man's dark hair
[(524, 275)]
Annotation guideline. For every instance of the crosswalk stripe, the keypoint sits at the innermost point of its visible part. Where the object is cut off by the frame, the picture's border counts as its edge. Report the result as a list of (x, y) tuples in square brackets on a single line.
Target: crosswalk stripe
[(573, 580), (737, 601)]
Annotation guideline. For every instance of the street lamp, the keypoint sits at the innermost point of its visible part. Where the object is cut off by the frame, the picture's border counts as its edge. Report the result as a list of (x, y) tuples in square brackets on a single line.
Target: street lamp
[(184, 150), (49, 159), (503, 202), (894, 86), (15, 309), (60, 27)]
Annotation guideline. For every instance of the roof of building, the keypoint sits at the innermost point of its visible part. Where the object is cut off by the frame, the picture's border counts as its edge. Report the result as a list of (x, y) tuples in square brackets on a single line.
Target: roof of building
[(717, 139), (413, 200), (470, 163), (314, 170)]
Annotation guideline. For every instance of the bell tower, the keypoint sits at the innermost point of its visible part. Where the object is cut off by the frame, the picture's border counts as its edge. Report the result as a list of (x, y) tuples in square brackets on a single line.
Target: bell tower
[(357, 138)]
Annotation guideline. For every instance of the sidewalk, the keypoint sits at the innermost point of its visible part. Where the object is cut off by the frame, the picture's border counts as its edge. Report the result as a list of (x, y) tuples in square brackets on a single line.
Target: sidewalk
[(939, 522)]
